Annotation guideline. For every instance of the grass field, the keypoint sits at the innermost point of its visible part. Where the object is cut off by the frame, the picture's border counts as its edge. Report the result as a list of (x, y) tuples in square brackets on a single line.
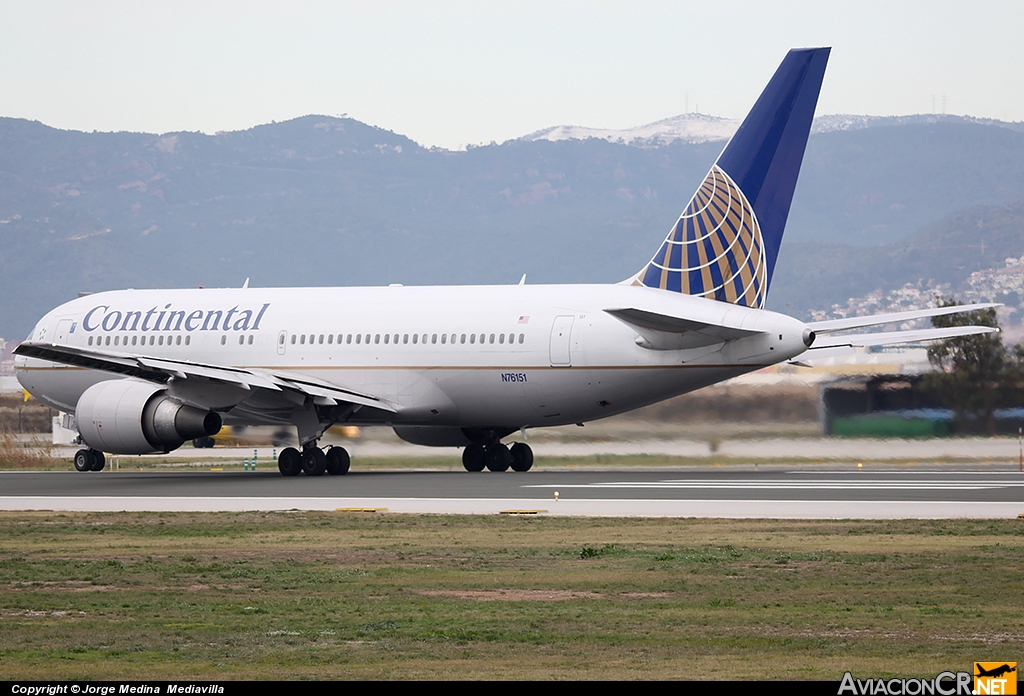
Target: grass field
[(346, 595)]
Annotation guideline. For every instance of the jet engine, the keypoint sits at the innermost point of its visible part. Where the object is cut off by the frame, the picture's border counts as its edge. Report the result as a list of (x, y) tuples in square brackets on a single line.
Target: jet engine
[(124, 416)]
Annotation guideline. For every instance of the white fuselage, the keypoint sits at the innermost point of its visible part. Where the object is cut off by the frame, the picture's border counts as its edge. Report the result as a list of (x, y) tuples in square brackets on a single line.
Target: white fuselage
[(512, 356)]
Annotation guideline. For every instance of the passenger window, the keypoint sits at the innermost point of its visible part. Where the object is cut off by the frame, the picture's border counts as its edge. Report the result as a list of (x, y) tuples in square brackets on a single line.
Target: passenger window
[(444, 338), (415, 338), (134, 340), (433, 339), (321, 339), (376, 338), (302, 339), (177, 341), (348, 339), (472, 339), (90, 340), (463, 339), (330, 339), (522, 338), (188, 340), (501, 338), (405, 339), (387, 337), (293, 339), (359, 339), (115, 339), (223, 340), (241, 340), (280, 340), (491, 339), (161, 342)]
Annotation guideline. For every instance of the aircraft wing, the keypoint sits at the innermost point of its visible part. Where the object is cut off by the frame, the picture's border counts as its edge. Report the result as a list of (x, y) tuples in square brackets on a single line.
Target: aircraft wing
[(684, 333), (162, 370)]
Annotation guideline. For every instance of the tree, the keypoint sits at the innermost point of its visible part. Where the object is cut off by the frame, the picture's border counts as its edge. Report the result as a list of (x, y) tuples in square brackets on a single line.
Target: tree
[(974, 373)]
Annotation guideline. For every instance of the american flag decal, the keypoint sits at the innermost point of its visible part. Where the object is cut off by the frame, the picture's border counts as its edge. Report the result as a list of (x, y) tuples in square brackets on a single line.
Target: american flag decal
[(524, 319)]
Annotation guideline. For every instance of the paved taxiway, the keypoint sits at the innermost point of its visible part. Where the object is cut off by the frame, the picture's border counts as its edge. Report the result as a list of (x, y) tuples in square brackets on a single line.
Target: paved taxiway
[(776, 492)]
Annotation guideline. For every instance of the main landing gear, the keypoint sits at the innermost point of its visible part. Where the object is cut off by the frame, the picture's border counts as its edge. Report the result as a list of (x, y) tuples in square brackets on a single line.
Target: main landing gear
[(498, 457), (89, 460), (313, 461)]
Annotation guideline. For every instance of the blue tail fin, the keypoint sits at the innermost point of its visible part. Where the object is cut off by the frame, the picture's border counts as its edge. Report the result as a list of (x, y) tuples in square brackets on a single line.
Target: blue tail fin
[(725, 243)]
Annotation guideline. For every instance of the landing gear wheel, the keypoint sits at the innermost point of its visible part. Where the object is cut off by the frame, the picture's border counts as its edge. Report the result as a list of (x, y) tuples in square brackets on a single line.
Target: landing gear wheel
[(473, 458), (83, 462), (98, 460), (314, 461), (498, 457), (289, 462), (337, 461), (89, 460), (522, 456)]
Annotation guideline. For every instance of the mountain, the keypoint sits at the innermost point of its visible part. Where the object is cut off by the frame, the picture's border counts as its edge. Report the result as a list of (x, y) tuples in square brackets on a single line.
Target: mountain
[(326, 201), (878, 185), (688, 128), (816, 276), (701, 128)]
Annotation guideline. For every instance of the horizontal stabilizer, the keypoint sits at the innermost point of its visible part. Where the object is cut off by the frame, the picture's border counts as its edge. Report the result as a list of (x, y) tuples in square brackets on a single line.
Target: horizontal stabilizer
[(893, 318), (666, 332), (892, 337), (812, 358)]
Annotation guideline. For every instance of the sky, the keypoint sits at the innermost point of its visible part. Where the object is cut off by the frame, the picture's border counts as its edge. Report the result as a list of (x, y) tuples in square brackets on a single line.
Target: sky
[(450, 74)]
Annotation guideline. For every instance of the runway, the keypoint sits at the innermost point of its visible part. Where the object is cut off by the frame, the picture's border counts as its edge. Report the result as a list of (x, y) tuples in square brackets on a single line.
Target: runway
[(778, 492)]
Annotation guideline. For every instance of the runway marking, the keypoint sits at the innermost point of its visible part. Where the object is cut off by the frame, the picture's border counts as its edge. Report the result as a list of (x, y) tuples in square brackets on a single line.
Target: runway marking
[(807, 484)]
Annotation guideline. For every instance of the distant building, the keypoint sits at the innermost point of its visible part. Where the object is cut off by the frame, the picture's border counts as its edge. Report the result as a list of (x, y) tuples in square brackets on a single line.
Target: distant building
[(6, 358)]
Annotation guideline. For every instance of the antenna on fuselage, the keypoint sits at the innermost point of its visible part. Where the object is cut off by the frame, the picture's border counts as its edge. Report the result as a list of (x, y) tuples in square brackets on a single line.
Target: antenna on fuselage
[(522, 281), (245, 284)]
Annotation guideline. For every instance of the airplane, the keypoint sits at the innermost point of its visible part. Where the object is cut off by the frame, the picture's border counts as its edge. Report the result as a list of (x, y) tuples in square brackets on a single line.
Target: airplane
[(144, 371), (995, 671)]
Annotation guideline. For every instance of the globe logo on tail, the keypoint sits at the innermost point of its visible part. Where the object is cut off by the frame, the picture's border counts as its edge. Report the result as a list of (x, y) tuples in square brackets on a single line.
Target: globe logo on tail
[(715, 250)]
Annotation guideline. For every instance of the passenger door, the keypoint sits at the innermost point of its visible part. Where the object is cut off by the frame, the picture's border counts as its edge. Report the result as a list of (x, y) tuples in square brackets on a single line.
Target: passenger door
[(561, 332)]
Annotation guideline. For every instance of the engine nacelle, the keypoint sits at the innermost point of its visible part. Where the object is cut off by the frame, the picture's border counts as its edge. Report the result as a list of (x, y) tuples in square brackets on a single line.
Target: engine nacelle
[(123, 416)]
